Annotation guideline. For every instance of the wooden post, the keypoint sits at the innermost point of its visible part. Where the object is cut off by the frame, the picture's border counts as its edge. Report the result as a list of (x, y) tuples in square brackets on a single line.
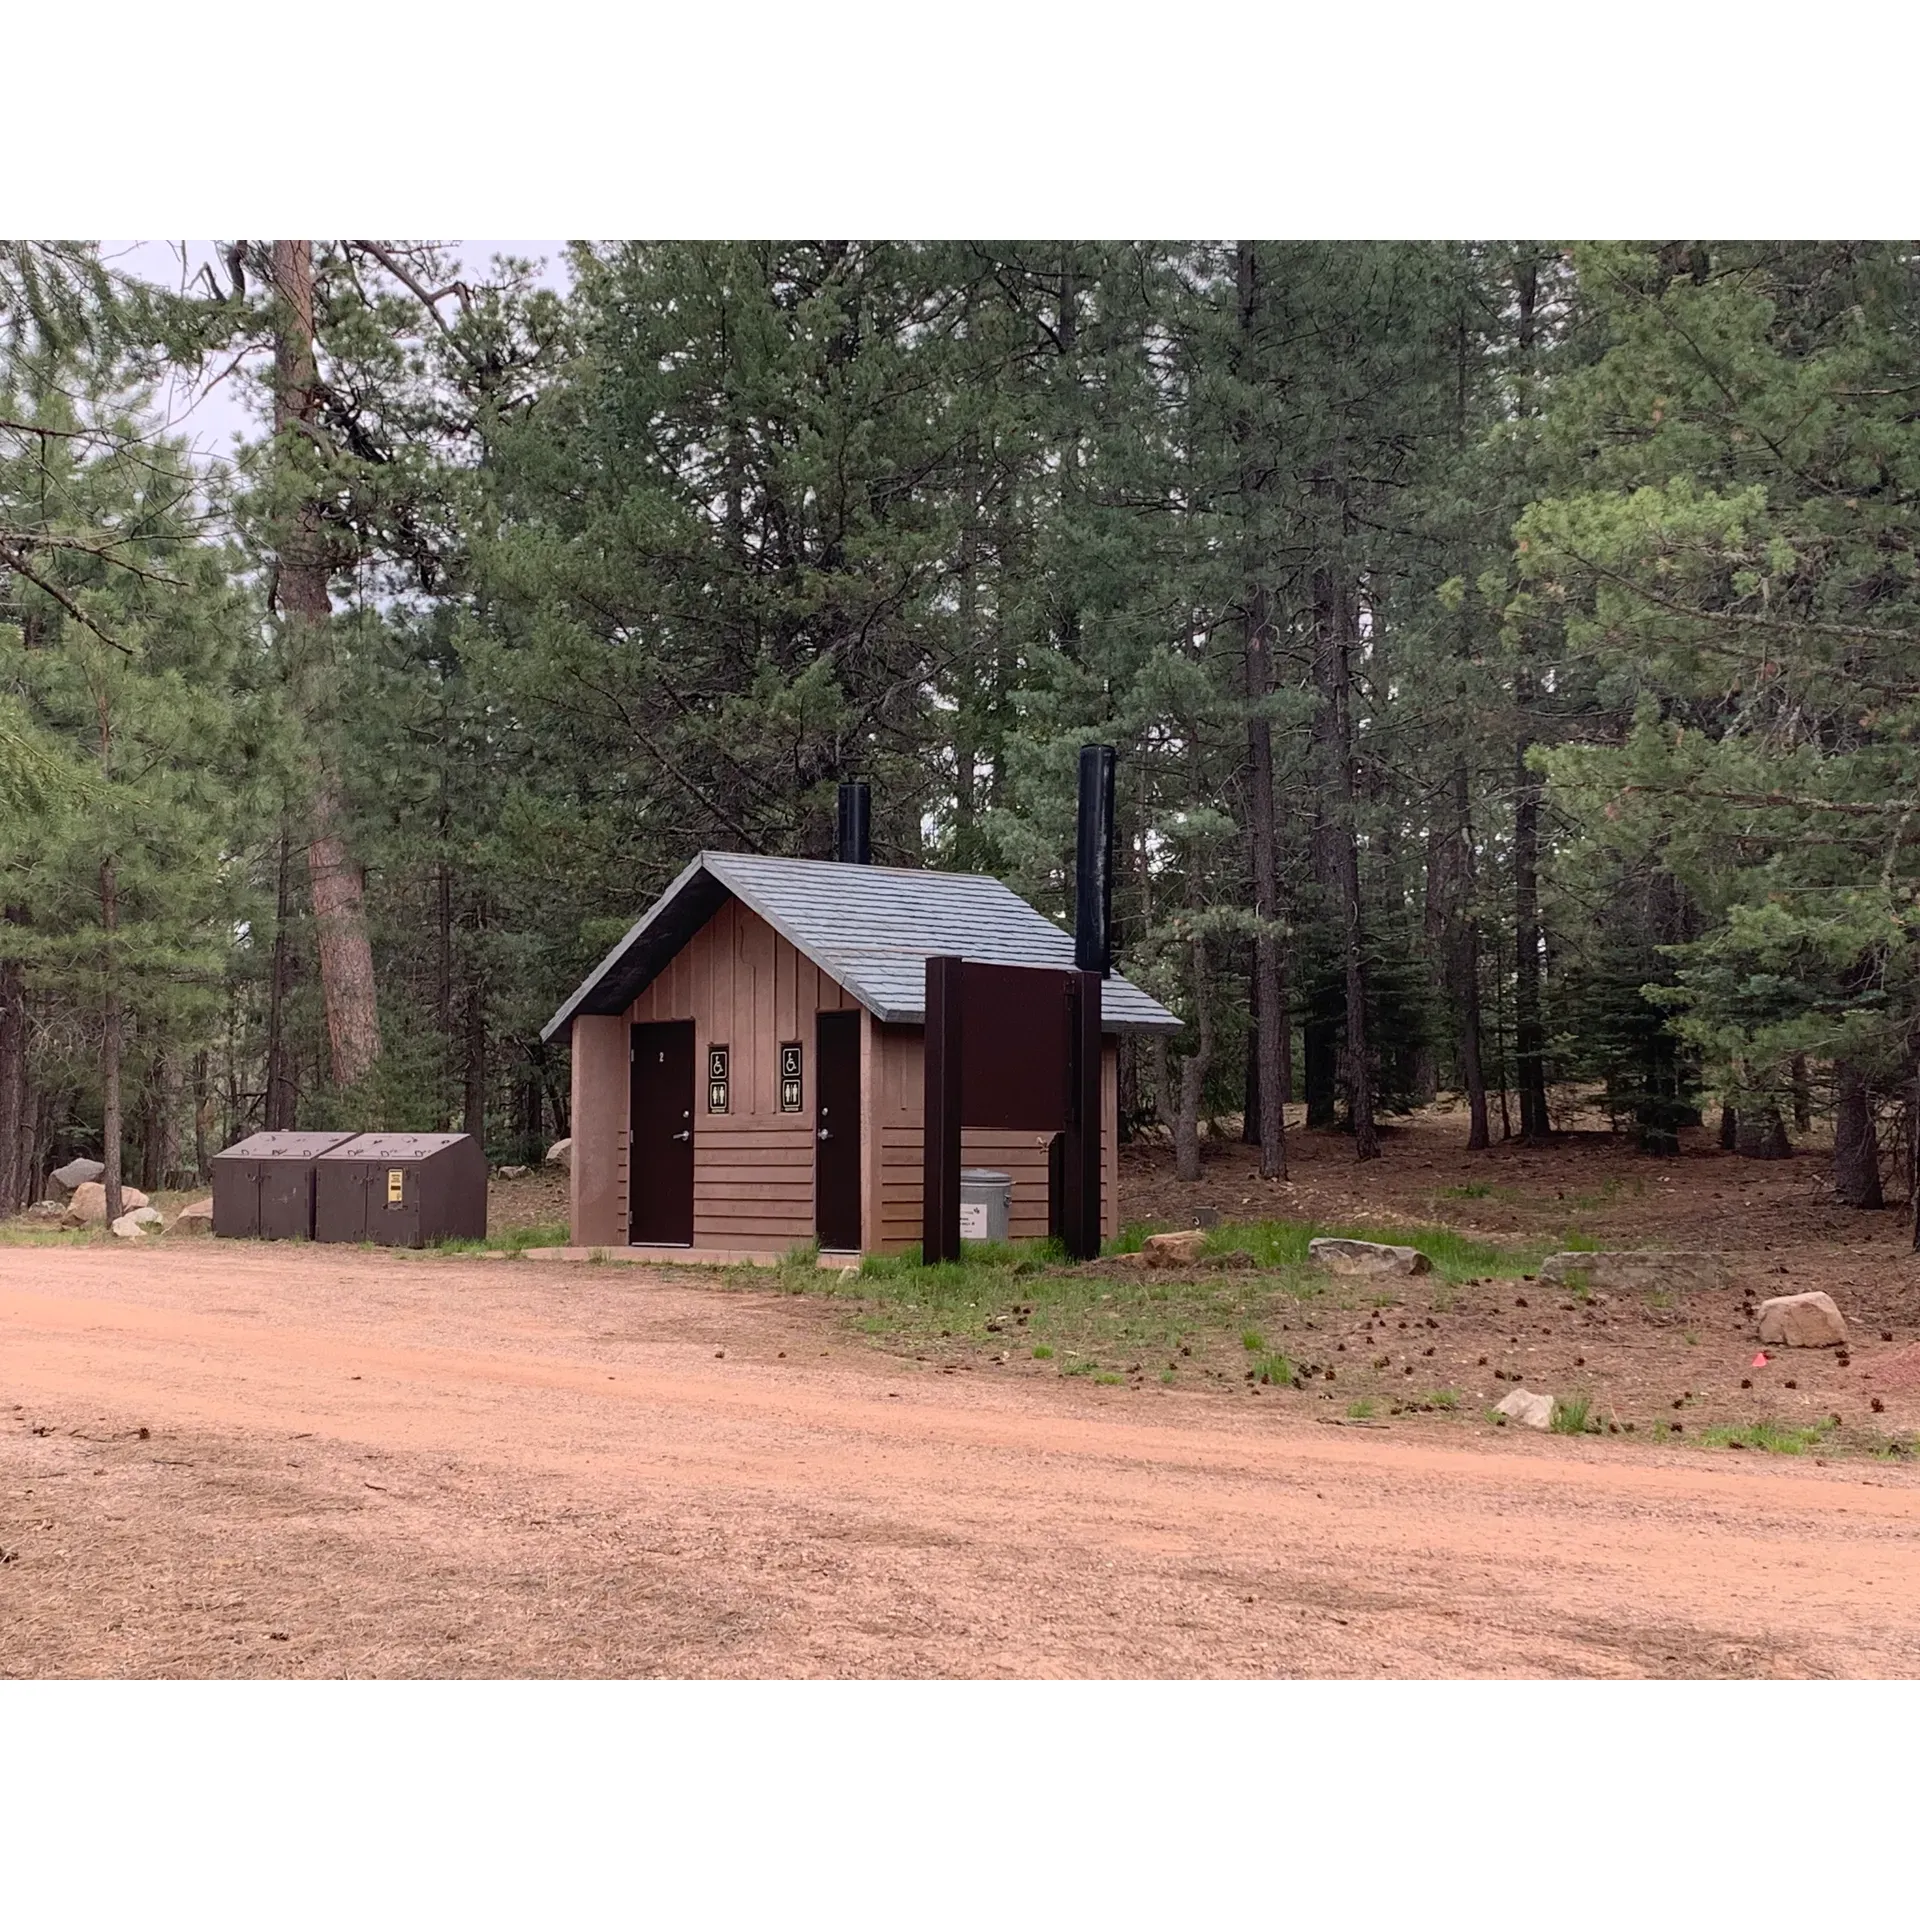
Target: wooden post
[(1081, 1227), (940, 1176)]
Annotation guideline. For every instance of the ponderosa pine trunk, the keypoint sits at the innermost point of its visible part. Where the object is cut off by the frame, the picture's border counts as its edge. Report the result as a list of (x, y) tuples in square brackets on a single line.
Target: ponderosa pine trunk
[(1271, 1039), (201, 1146), (1250, 1091), (1466, 967), (13, 1091), (14, 1097), (1333, 633), (282, 1091), (1802, 1094), (306, 609), (1913, 1139), (1194, 1068), (1761, 1134), (1529, 1031), (110, 1040), (474, 1011), (1436, 916), (1856, 1142)]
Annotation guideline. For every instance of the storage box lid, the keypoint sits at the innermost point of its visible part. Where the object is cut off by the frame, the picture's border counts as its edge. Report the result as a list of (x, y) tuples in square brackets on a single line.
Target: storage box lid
[(283, 1146), (396, 1147)]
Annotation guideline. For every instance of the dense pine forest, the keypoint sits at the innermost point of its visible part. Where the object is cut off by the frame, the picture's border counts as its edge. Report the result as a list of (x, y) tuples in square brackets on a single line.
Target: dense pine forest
[(1509, 648)]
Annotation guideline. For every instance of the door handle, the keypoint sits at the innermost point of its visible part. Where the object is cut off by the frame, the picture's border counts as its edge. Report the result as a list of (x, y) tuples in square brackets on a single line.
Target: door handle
[(823, 1134), (684, 1136)]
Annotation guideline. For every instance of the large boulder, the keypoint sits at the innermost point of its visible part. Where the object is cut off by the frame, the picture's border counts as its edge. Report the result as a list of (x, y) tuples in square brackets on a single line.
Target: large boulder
[(560, 1155), (1644, 1270), (1528, 1409), (197, 1217), (1367, 1259), (1801, 1320), (137, 1223), (62, 1180), (88, 1206)]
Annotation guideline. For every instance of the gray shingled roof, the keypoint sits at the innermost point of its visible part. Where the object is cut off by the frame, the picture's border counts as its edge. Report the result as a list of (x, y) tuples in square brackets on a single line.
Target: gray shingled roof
[(869, 928)]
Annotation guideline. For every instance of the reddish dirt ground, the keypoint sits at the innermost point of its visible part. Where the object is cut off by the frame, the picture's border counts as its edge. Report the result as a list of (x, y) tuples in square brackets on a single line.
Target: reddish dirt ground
[(358, 1464)]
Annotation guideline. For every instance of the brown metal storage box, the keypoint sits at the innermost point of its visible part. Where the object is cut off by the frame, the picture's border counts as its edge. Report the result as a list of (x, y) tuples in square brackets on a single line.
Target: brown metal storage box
[(402, 1189), (263, 1185)]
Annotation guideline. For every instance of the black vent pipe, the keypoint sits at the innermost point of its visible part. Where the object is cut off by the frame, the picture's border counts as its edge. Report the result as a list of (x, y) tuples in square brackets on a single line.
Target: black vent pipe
[(1093, 864), (856, 807)]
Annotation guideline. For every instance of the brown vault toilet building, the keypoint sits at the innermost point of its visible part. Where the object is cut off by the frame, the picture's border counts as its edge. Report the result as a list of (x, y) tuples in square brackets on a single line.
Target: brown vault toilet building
[(747, 1061)]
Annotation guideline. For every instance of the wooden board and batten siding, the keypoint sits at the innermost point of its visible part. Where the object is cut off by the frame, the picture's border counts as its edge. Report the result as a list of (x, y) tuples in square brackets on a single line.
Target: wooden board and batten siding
[(896, 1130), (745, 989)]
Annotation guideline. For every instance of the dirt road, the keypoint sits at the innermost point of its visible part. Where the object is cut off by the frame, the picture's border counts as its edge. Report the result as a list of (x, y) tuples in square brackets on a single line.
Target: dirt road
[(356, 1464)]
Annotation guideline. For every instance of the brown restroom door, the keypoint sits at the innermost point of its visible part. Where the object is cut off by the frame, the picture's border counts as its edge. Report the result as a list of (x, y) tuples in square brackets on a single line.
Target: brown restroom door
[(660, 1156), (836, 1131)]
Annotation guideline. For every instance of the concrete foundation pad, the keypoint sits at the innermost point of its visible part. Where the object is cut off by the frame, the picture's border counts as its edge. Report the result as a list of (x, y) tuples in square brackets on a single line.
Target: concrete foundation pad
[(684, 1256)]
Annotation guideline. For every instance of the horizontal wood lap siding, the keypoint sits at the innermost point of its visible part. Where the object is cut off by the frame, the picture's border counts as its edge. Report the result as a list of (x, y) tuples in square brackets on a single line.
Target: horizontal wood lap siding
[(900, 1119), (747, 989)]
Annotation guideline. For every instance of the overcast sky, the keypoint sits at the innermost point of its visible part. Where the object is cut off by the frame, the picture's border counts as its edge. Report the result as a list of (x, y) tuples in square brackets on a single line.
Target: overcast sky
[(210, 411)]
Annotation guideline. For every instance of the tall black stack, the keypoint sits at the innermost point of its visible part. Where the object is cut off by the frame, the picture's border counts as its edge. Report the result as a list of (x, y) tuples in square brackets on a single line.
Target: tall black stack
[(1093, 961), (1093, 864), (854, 848)]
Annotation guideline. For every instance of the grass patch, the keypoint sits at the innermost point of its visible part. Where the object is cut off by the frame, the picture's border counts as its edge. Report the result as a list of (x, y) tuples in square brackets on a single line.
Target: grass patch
[(1361, 1410), (1764, 1436), (1282, 1244), (1573, 1414), (52, 1235), (1445, 1399), (514, 1241), (1189, 1325)]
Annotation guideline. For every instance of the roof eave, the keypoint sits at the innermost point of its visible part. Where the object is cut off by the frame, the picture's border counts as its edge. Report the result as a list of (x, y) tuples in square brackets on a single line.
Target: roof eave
[(623, 946)]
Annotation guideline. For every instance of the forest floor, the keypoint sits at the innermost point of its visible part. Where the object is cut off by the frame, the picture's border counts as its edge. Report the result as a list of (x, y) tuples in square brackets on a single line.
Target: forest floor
[(227, 1458)]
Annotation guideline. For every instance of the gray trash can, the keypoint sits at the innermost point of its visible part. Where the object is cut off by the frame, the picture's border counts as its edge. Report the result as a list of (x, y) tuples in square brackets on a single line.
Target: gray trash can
[(986, 1204)]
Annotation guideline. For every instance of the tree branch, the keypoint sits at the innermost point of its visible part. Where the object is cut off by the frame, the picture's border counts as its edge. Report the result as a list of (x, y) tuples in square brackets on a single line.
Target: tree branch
[(11, 559)]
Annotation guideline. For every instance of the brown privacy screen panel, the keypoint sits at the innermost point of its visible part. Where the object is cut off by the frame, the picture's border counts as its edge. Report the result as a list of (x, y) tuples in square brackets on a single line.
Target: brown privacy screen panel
[(1015, 1027)]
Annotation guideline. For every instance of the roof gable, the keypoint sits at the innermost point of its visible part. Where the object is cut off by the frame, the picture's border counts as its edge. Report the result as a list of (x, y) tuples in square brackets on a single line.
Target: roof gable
[(871, 929)]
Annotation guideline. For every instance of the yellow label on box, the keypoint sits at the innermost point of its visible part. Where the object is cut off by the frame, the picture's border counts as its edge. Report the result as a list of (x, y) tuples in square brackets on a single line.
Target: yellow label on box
[(396, 1186)]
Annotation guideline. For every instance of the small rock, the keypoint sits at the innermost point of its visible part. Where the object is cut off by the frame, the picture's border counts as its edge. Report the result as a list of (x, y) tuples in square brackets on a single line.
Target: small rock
[(62, 1180), (560, 1154), (195, 1218), (46, 1210), (1206, 1216), (1367, 1259), (88, 1206), (1641, 1268), (1174, 1249), (136, 1223), (511, 1173), (1801, 1320), (1528, 1409)]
